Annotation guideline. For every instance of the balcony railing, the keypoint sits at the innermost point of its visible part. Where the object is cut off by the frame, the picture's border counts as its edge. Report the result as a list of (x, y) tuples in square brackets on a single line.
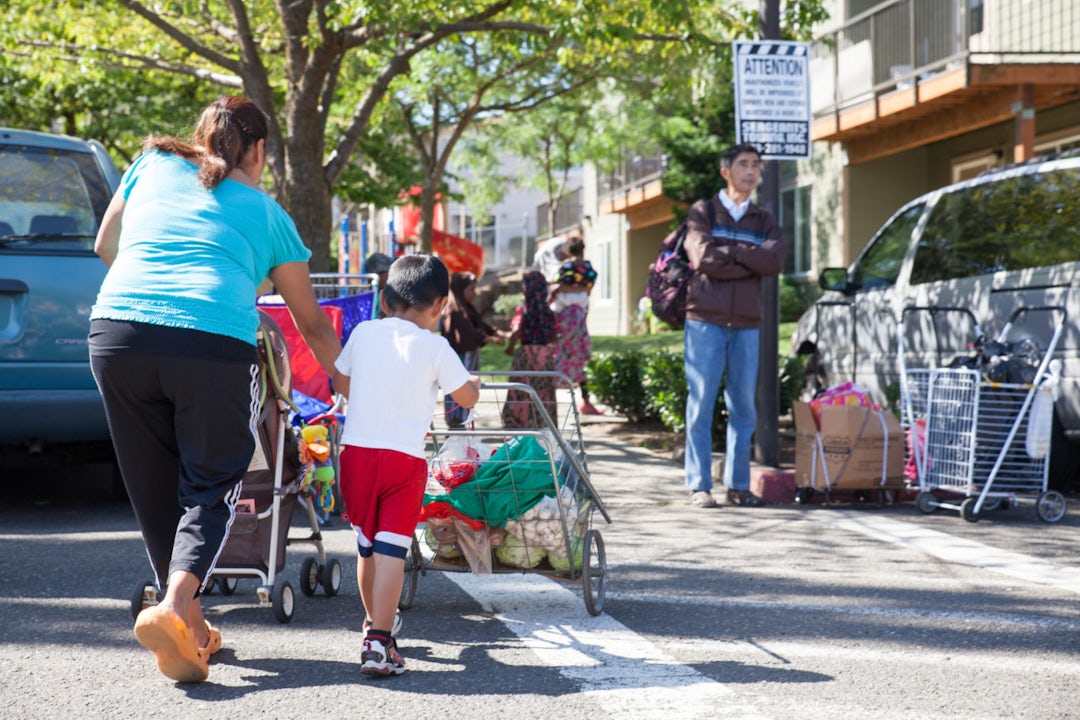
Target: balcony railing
[(635, 170), (901, 42), (568, 214)]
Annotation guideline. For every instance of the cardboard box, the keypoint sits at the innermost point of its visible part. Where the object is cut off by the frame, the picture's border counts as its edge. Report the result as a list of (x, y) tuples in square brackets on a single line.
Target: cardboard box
[(856, 448)]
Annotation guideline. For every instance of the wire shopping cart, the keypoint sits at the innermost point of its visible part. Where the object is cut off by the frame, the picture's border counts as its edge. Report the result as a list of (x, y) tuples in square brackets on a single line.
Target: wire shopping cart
[(980, 428), (504, 499)]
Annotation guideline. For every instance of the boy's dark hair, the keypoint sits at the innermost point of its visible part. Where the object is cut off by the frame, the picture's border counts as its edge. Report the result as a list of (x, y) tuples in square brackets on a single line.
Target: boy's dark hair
[(729, 155), (575, 246), (416, 281)]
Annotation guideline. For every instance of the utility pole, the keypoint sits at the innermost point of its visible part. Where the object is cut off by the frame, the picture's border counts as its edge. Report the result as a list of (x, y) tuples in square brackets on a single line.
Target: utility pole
[(766, 436)]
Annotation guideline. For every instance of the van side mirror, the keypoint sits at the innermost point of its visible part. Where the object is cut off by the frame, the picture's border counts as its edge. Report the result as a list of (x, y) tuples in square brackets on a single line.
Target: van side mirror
[(835, 278)]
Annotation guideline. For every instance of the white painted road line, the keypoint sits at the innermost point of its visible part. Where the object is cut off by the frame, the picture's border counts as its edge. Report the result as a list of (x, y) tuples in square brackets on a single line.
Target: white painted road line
[(628, 676), (957, 550)]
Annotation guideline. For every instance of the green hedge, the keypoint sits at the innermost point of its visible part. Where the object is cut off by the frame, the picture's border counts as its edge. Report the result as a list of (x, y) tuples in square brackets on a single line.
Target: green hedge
[(650, 385)]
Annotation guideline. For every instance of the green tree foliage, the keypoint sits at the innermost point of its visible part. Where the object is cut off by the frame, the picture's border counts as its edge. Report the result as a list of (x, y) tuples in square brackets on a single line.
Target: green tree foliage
[(321, 70)]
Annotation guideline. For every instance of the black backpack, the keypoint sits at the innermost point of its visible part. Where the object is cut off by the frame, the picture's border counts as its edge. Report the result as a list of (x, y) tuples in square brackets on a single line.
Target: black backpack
[(670, 273)]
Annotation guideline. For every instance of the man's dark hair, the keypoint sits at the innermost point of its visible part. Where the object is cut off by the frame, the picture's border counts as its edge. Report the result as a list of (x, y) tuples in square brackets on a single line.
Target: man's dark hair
[(575, 246), (729, 155), (416, 281)]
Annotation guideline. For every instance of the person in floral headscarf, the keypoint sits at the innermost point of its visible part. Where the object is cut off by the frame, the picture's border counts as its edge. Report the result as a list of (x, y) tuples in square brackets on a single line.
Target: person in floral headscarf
[(570, 303), (533, 326)]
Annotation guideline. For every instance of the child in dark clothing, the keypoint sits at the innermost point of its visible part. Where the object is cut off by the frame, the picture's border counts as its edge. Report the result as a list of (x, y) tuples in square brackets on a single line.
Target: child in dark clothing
[(534, 327), (466, 332)]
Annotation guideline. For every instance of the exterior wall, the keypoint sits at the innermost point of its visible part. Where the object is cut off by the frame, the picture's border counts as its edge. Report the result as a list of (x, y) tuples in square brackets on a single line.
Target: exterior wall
[(605, 247), (874, 190)]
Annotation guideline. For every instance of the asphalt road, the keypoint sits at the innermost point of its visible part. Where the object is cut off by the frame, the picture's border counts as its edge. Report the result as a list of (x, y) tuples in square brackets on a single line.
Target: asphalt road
[(800, 612)]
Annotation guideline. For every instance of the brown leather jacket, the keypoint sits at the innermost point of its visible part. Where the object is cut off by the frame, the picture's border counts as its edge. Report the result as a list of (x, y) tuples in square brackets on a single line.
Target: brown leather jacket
[(729, 261)]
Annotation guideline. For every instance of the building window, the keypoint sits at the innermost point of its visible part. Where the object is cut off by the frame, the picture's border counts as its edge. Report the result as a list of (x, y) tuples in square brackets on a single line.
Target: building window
[(795, 219), (601, 262), (1064, 142)]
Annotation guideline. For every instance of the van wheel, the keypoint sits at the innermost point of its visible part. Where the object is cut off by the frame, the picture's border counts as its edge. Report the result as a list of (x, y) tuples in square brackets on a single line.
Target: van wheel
[(1064, 460)]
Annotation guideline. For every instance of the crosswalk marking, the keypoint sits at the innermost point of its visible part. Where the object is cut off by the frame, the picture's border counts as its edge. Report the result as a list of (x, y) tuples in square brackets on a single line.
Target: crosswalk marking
[(958, 550), (628, 676)]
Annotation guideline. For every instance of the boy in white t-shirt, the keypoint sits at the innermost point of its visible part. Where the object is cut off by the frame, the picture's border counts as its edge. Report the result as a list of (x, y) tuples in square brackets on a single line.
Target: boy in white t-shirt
[(403, 365)]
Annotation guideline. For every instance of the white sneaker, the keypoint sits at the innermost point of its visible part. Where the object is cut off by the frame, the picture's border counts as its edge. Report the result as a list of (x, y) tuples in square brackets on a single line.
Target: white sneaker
[(702, 499), (378, 659)]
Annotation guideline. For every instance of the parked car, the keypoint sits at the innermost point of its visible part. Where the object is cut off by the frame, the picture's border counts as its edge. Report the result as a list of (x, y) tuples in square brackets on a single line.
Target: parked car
[(53, 193), (1007, 238)]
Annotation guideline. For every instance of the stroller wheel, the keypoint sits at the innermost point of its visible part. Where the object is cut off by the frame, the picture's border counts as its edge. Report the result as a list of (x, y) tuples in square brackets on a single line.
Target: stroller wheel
[(309, 576), (228, 585), (331, 578), (283, 601)]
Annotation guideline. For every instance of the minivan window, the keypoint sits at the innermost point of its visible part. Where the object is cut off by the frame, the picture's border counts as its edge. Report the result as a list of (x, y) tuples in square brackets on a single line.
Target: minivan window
[(880, 264), (50, 200), (1003, 225)]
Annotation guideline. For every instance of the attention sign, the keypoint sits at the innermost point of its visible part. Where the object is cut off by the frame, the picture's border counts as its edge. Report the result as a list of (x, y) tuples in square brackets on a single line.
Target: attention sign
[(772, 97)]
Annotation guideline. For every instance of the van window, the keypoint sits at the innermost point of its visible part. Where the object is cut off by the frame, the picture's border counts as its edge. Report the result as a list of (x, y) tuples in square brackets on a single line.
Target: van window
[(50, 200), (879, 265), (1015, 223)]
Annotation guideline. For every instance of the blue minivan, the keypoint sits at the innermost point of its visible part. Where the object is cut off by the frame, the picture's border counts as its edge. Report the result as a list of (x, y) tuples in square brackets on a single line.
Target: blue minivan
[(53, 193)]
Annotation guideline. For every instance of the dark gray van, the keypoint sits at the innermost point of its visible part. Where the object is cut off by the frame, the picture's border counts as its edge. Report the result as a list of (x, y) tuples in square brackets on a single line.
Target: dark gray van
[(53, 193), (1008, 238)]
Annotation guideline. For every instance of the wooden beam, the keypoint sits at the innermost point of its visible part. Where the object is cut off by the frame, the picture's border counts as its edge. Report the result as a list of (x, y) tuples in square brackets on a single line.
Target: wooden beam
[(942, 84), (950, 121), (1022, 73), (1024, 108)]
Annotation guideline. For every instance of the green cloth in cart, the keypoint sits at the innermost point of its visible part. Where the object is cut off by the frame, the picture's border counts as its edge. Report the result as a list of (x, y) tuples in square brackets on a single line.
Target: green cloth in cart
[(514, 479)]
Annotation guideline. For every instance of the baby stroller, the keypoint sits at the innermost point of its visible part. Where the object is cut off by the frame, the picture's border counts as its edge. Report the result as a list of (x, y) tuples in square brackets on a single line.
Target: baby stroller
[(272, 488)]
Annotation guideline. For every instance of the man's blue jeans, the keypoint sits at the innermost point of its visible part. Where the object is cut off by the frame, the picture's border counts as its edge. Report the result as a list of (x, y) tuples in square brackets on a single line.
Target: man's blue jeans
[(709, 351)]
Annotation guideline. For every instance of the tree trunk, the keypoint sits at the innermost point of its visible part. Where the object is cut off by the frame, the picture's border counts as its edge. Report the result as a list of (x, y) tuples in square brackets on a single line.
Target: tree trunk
[(305, 193), (428, 201)]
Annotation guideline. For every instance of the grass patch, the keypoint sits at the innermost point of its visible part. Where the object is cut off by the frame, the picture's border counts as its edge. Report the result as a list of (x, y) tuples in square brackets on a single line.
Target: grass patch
[(492, 357)]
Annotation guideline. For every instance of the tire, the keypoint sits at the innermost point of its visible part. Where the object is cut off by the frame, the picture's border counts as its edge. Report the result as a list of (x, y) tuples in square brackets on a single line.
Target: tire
[(228, 585), (593, 572), (309, 576), (967, 509), (141, 598), (1050, 507), (413, 559), (1064, 460), (926, 502), (331, 578), (283, 601)]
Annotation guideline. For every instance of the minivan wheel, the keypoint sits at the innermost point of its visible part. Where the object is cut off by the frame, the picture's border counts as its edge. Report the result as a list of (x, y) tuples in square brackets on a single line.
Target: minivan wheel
[(1064, 460)]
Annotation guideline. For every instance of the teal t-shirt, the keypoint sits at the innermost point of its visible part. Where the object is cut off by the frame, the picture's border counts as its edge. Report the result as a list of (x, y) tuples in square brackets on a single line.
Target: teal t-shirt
[(191, 257)]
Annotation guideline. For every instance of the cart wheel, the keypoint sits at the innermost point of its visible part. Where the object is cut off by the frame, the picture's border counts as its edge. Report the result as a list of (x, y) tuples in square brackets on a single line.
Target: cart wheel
[(967, 509), (283, 601), (412, 575), (145, 596), (593, 571), (926, 502), (331, 578), (210, 584), (1050, 506), (803, 495), (309, 576), (228, 585)]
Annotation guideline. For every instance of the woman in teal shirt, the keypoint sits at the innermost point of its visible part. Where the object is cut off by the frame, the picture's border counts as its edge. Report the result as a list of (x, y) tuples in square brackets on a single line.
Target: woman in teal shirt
[(188, 239)]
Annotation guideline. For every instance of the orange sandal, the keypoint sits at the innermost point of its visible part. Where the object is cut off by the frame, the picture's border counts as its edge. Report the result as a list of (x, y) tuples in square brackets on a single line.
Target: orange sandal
[(165, 634), (213, 642)]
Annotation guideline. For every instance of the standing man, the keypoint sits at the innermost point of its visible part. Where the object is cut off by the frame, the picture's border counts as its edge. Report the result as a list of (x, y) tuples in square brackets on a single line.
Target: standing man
[(723, 316)]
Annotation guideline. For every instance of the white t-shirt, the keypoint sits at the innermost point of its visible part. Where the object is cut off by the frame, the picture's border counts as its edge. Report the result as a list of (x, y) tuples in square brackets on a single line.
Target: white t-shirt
[(565, 299), (396, 369)]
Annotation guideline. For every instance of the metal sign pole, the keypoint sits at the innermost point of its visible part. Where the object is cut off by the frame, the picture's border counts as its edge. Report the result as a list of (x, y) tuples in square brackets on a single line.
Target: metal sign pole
[(766, 436)]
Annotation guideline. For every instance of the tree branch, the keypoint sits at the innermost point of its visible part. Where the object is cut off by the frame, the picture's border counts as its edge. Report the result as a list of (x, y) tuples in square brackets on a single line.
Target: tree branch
[(183, 39)]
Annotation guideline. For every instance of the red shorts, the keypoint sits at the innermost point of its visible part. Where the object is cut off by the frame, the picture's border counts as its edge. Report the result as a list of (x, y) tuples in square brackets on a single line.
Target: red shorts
[(383, 491)]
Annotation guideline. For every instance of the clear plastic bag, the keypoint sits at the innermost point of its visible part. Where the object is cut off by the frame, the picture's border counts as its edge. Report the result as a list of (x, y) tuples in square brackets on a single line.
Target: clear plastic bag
[(475, 546)]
